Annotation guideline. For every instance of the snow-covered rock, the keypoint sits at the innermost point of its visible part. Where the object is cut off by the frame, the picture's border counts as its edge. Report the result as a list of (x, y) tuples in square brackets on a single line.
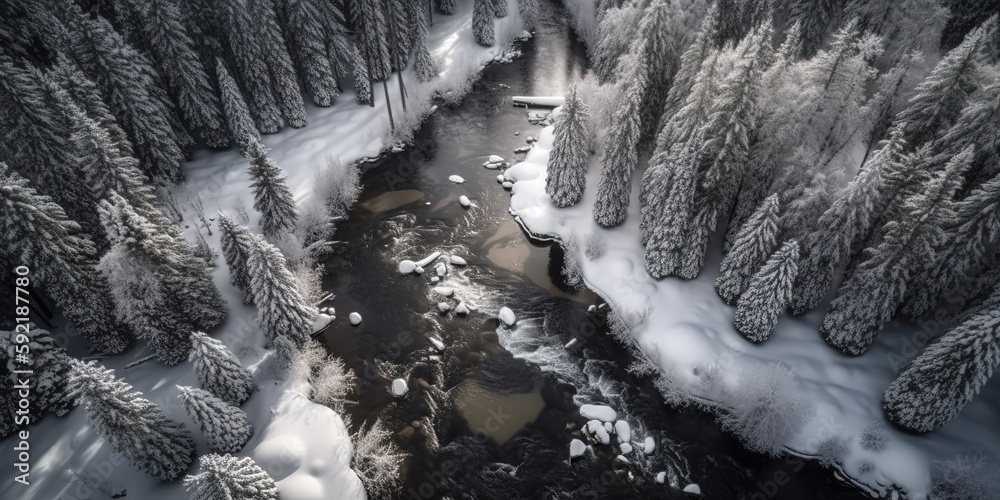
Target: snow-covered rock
[(596, 429), (599, 412), (624, 431), (649, 445), (495, 159), (625, 448), (355, 318), (661, 477), (446, 291), (576, 448), (529, 139), (441, 269), (494, 162), (464, 201), (622, 459), (692, 490), (321, 322), (407, 266), (522, 149), (418, 270), (461, 309), (435, 279), (457, 179), (499, 177), (571, 343), (507, 184), (443, 307), (506, 316), (608, 427), (457, 261), (399, 388), (424, 262), (436, 342)]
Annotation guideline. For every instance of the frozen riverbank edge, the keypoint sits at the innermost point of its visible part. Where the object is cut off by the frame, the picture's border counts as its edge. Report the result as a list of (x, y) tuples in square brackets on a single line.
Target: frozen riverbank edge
[(688, 328)]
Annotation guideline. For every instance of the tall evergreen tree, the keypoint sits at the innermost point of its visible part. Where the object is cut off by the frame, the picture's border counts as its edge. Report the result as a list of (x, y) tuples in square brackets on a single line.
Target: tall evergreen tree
[(620, 156), (500, 8), (870, 296), (372, 38), (401, 27), (446, 6), (482, 22), (768, 294), (237, 244), (424, 64), (271, 196), (751, 250), (615, 35), (308, 30), (656, 47), (63, 262), (935, 386), (135, 427), (238, 120), (281, 310), (813, 18), (528, 9), (694, 85), (567, 167), (283, 76), (226, 427), (229, 477), (362, 82), (237, 26), (669, 208), (219, 371), (83, 92), (49, 367)]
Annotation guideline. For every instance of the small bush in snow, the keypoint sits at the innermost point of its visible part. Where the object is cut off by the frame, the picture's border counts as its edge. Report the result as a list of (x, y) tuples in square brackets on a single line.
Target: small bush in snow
[(330, 379), (966, 477), (571, 266), (766, 408), (309, 281), (376, 460), (338, 184), (831, 450), (596, 245), (874, 437)]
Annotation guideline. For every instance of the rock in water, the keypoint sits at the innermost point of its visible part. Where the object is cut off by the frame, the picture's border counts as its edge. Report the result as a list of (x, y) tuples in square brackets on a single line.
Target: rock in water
[(576, 448), (457, 261), (649, 445), (457, 179), (444, 307), (321, 322), (462, 309), (500, 178), (441, 269), (355, 318), (507, 185), (399, 388), (407, 266), (599, 412), (464, 201), (692, 490), (506, 316), (495, 159), (424, 262), (661, 477), (626, 448), (624, 431)]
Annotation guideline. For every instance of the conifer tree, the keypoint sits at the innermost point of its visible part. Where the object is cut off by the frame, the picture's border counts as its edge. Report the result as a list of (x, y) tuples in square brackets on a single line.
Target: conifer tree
[(615, 35), (567, 167), (528, 9), (271, 196), (229, 477), (281, 310), (694, 85), (83, 92), (61, 260), (226, 427), (283, 76), (219, 371), (237, 26), (372, 38), (620, 156), (401, 27), (750, 250), (49, 367), (362, 83), (482, 22), (658, 53), (813, 17), (8, 403), (669, 208), (238, 120), (500, 8), (870, 296), (308, 30), (979, 126), (768, 294), (699, 233), (446, 6), (424, 64), (135, 427), (237, 244), (935, 386)]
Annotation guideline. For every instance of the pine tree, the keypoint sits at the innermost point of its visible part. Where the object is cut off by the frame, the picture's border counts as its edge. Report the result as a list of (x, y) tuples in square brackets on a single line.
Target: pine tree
[(567, 167), (8, 403), (935, 386), (135, 427), (49, 367), (271, 196), (751, 250), (237, 26), (658, 53), (238, 120), (669, 208), (870, 296), (768, 294), (615, 35), (424, 64), (168, 41), (978, 125), (83, 92), (401, 27), (482, 22), (232, 478), (226, 427), (281, 310), (308, 31), (500, 8), (699, 233), (237, 244), (620, 157), (813, 17), (694, 85), (372, 38), (528, 9), (362, 83), (283, 76), (62, 261), (219, 370)]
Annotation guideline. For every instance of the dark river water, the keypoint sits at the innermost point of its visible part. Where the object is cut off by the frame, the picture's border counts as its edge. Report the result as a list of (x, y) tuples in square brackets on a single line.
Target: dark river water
[(491, 411)]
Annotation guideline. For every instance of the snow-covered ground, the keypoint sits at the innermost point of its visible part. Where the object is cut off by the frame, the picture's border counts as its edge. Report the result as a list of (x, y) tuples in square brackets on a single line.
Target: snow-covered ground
[(688, 326), (304, 446)]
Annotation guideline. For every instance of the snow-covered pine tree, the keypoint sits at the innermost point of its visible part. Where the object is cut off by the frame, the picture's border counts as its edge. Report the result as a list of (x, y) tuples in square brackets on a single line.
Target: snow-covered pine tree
[(500, 8), (401, 26), (567, 167), (237, 26), (283, 76), (813, 18), (231, 478), (237, 244), (656, 47), (238, 120), (226, 427), (751, 249), (172, 48), (219, 370), (49, 365), (871, 295), (135, 427), (85, 94), (978, 125), (446, 6), (694, 84), (669, 208), (620, 155), (271, 196), (938, 100), (482, 22), (281, 310), (615, 34), (424, 64), (362, 83), (528, 9), (768, 294), (372, 37), (8, 403), (130, 85), (308, 31), (935, 386), (62, 261), (696, 239)]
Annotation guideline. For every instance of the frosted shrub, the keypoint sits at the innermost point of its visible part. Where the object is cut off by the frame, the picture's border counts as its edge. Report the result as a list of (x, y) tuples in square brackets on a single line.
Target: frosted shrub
[(596, 245), (332, 383), (966, 477), (376, 460), (874, 437), (766, 408), (309, 281), (831, 450), (338, 185), (603, 101), (571, 266)]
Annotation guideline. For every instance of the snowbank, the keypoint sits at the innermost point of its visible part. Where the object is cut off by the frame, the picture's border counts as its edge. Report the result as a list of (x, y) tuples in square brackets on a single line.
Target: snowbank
[(689, 327)]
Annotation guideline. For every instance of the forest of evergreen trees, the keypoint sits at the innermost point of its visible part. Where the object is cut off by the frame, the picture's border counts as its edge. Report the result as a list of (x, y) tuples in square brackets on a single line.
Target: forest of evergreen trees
[(845, 150)]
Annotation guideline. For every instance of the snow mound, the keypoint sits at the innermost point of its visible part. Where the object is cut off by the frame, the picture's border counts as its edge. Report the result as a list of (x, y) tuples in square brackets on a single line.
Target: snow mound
[(624, 431), (692, 490), (321, 322), (576, 448), (443, 307), (457, 261), (597, 430), (464, 201), (649, 445), (355, 318), (399, 388), (457, 179), (407, 266), (506, 316), (661, 477), (599, 412)]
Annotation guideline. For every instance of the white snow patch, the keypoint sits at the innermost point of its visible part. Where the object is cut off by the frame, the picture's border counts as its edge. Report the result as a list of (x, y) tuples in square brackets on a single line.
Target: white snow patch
[(624, 431), (506, 316), (457, 179), (355, 318), (576, 448), (464, 201), (399, 388), (649, 445), (599, 412), (407, 266), (321, 322)]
